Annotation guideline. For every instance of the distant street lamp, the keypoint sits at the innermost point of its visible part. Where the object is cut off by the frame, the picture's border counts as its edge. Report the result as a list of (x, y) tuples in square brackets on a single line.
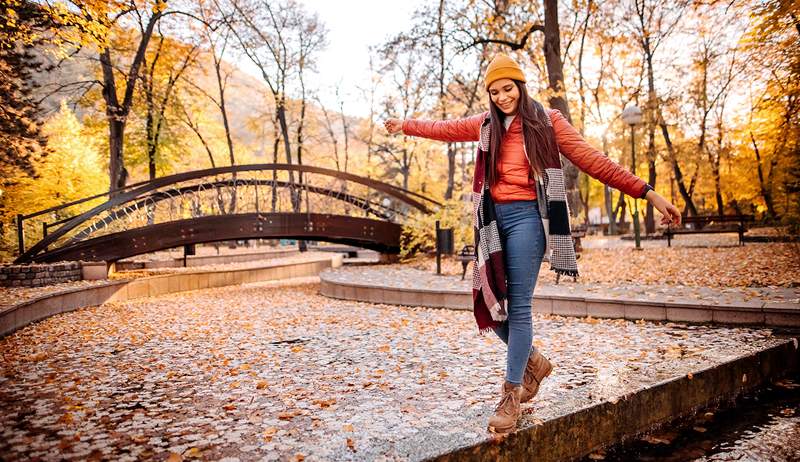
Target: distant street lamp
[(632, 116)]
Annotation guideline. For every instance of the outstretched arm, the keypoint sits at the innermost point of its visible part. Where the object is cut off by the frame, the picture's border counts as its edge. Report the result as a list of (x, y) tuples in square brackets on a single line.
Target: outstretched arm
[(599, 166), (452, 131)]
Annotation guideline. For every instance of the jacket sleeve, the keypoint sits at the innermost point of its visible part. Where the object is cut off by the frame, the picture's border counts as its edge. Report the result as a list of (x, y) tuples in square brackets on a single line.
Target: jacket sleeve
[(592, 161), (452, 131)]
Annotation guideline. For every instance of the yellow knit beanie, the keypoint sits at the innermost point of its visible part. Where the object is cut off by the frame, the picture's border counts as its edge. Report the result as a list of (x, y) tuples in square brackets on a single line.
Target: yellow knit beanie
[(503, 67)]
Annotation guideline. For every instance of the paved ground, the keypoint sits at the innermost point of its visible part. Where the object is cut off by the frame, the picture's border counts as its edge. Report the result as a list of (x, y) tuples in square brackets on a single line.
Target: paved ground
[(411, 278), (280, 373)]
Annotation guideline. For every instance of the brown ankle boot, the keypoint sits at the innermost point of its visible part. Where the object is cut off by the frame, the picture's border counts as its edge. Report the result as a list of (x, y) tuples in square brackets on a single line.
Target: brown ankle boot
[(507, 411), (536, 370)]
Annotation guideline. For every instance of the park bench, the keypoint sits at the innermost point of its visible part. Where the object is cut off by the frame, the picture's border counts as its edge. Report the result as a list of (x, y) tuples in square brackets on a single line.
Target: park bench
[(578, 233), (711, 224), (465, 255)]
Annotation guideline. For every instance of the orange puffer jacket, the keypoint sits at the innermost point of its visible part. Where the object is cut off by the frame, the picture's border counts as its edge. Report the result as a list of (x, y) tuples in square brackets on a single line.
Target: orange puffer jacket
[(513, 184)]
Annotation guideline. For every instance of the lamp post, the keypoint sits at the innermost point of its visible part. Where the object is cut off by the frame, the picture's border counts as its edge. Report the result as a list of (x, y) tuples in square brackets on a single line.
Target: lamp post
[(632, 116)]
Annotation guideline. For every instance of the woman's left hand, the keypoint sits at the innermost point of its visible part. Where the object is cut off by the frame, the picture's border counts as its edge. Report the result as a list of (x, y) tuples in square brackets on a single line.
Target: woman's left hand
[(671, 214)]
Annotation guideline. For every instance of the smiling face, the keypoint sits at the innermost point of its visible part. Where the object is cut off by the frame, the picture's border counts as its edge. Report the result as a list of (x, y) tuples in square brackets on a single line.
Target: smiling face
[(505, 94)]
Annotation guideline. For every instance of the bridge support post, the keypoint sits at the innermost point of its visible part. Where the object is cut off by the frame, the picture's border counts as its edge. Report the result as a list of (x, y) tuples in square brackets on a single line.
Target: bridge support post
[(438, 250), (388, 258), (20, 234)]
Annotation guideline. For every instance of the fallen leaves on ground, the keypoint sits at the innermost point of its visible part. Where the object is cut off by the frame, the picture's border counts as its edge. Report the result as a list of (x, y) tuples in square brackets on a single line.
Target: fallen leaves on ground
[(212, 374), (751, 265)]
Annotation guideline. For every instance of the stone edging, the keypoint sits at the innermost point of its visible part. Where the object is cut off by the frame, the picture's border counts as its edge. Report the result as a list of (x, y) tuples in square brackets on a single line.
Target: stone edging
[(762, 314), (18, 316), (579, 433), (39, 274)]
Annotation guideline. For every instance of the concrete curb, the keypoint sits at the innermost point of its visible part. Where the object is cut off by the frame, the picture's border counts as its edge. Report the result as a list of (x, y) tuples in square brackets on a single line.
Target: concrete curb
[(773, 314), (578, 434), (19, 316)]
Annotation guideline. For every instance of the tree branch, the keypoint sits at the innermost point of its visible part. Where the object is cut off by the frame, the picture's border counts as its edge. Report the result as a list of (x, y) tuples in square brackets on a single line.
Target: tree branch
[(519, 44)]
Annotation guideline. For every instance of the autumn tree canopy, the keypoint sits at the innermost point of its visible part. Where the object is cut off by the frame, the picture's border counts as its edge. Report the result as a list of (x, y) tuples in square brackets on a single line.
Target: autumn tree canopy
[(158, 87)]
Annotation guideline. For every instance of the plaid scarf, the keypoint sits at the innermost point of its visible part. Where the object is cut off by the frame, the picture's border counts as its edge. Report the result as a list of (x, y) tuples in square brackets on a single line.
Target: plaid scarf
[(488, 277)]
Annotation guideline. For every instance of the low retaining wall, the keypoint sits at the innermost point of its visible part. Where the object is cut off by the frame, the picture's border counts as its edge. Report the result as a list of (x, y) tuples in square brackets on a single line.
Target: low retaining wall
[(40, 274), (577, 434), (762, 314), (21, 315)]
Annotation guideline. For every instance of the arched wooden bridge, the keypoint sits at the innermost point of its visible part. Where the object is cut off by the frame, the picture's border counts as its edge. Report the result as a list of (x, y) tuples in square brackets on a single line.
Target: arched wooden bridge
[(224, 203)]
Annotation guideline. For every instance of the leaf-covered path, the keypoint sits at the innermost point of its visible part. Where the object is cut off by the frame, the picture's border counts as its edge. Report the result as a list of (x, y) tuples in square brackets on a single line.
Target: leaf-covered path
[(408, 277), (282, 373)]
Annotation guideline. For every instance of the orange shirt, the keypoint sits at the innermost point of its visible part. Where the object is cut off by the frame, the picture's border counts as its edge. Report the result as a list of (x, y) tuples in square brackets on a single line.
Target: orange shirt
[(513, 181)]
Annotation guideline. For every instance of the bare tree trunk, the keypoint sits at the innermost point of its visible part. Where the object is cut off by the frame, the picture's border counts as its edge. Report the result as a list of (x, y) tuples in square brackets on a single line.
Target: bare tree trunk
[(620, 209), (116, 111), (301, 243), (585, 199), (275, 144), (331, 134), (607, 198), (116, 116), (451, 171), (583, 180), (451, 152), (715, 166), (685, 194), (196, 129), (300, 124), (156, 110), (558, 99), (151, 146), (280, 105), (345, 132), (405, 168), (652, 102), (764, 181), (717, 190)]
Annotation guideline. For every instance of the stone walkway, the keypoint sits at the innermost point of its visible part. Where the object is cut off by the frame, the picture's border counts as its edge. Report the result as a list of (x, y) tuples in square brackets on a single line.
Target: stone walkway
[(411, 278), (281, 373)]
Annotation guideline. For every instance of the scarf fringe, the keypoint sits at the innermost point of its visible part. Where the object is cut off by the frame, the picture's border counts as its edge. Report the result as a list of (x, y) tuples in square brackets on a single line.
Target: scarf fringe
[(565, 272), (485, 330)]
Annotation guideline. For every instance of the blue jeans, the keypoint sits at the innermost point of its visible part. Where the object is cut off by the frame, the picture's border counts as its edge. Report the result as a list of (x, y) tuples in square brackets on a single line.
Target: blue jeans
[(523, 238)]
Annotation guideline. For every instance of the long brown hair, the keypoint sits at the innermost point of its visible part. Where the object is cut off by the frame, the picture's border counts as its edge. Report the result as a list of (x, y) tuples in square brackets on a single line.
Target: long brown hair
[(539, 139)]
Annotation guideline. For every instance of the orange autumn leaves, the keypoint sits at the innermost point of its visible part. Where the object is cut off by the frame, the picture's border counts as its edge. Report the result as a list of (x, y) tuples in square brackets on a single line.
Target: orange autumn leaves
[(751, 265)]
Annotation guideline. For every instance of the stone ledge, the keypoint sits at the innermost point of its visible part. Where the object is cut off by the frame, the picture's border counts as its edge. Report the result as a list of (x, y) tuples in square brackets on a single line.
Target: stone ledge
[(19, 316), (39, 274), (577, 434), (754, 314)]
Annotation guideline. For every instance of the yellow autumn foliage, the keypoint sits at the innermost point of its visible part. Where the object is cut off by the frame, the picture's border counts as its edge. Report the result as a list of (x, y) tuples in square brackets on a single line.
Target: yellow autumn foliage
[(72, 170)]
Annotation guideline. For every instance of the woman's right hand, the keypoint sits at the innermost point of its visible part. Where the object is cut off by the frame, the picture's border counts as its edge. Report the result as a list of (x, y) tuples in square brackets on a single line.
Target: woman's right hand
[(393, 126)]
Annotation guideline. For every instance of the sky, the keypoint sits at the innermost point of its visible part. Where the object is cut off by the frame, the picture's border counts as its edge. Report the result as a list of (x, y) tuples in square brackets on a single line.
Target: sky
[(353, 26)]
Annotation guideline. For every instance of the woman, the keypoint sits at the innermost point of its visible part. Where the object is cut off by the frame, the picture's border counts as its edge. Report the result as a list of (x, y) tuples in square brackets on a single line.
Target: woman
[(523, 215)]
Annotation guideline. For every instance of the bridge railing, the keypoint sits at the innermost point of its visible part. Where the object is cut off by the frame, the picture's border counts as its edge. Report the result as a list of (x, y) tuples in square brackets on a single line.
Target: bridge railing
[(240, 189)]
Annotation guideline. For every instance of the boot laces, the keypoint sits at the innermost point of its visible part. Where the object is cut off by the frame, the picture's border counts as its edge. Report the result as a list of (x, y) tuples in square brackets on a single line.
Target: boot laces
[(506, 402)]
